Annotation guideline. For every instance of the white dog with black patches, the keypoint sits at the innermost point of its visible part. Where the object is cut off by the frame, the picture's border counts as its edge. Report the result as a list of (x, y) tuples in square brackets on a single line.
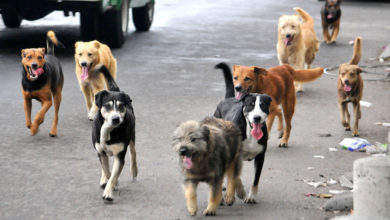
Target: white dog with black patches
[(113, 130)]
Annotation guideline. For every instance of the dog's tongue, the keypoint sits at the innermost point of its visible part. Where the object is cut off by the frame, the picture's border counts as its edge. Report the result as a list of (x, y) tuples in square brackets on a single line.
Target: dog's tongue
[(287, 41), (187, 162), (347, 88), (238, 95), (330, 16), (84, 75), (256, 131), (38, 71)]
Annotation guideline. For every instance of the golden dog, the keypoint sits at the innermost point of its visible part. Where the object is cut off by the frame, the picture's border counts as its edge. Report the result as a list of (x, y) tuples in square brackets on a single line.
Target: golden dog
[(277, 82), (350, 88), (297, 42), (87, 56)]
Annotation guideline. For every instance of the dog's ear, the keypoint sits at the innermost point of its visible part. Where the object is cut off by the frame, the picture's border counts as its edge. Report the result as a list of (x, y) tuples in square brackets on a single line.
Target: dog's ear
[(267, 99), (23, 53), (127, 99), (235, 67), (99, 98), (206, 133), (77, 44), (358, 70), (96, 44), (43, 50), (259, 70)]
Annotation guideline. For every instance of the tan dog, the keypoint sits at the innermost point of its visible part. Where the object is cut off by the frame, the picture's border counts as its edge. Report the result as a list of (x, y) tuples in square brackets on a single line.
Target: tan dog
[(87, 56), (297, 42), (350, 88), (277, 82)]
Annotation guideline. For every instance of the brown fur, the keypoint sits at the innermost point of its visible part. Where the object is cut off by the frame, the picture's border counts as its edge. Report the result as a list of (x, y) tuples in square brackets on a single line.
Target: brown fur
[(349, 73), (277, 82), (301, 50), (214, 146), (330, 5), (94, 53), (45, 94)]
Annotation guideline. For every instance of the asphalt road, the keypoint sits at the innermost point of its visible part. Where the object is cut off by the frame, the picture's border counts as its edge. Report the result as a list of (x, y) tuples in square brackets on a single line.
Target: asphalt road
[(169, 74)]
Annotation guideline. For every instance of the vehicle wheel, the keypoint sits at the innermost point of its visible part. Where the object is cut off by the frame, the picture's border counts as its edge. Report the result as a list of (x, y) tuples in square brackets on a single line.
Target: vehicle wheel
[(143, 17), (115, 25), (10, 18), (90, 25)]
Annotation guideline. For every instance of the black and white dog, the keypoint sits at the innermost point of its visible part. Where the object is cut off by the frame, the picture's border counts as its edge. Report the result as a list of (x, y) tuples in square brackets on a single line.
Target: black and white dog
[(113, 130), (249, 112)]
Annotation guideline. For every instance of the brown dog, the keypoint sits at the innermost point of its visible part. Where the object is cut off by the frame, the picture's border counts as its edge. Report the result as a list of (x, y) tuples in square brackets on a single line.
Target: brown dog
[(42, 79), (297, 41), (330, 16), (350, 88), (87, 56), (277, 82)]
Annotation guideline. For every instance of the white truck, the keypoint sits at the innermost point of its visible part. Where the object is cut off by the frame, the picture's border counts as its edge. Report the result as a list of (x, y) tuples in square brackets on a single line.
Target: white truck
[(104, 20)]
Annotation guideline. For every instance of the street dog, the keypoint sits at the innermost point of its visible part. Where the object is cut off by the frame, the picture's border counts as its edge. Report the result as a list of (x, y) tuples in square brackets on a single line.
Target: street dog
[(249, 113), (42, 79), (297, 42), (87, 56), (278, 83), (209, 150), (113, 131), (350, 89), (330, 17)]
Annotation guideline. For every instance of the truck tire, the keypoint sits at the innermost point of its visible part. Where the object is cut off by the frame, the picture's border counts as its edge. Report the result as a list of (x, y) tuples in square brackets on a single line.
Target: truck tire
[(115, 25), (143, 17), (10, 18), (90, 23)]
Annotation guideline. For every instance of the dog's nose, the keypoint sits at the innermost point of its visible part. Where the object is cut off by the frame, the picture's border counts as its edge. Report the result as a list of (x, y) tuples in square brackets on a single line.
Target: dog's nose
[(346, 81), (84, 63), (257, 119), (288, 35), (183, 150), (115, 120), (34, 65), (238, 88)]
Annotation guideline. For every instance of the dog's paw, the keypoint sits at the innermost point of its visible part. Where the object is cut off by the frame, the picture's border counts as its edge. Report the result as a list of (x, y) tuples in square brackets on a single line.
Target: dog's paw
[(280, 134), (347, 129), (34, 129), (229, 200), (52, 135), (91, 115), (28, 125), (283, 145), (208, 212), (222, 202), (107, 196), (250, 199), (107, 199), (192, 212), (355, 134), (103, 186)]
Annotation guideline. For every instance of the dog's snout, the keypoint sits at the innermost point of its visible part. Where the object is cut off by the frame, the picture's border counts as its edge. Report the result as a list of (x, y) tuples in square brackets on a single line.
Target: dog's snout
[(183, 150), (346, 81), (115, 120), (288, 35), (34, 65), (238, 88), (257, 119), (84, 63)]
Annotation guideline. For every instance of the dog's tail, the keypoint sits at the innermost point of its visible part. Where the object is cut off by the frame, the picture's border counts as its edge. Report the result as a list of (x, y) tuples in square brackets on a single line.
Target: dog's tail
[(357, 51), (307, 19), (112, 86), (227, 74), (307, 75), (51, 41)]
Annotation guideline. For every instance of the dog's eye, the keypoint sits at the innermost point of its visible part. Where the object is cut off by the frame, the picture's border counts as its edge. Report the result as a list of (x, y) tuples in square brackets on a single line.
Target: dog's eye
[(89, 54), (40, 58), (247, 79), (29, 57), (235, 78), (193, 139), (80, 54), (292, 26)]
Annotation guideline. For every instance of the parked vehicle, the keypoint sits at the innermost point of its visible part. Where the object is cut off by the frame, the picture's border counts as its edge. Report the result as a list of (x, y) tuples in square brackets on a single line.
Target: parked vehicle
[(105, 20)]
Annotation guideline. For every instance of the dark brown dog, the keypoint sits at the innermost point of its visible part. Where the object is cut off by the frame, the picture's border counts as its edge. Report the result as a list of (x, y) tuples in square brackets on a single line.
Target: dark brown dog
[(42, 79), (350, 88), (330, 16), (277, 82), (209, 150)]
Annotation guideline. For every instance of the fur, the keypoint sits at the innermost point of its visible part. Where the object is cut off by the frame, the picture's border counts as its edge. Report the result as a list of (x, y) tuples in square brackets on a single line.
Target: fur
[(350, 89), (297, 42), (42, 79), (330, 17)]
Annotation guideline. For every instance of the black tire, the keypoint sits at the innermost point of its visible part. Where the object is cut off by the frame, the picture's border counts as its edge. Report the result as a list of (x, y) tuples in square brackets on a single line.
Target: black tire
[(143, 17), (90, 22), (116, 25), (10, 18)]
